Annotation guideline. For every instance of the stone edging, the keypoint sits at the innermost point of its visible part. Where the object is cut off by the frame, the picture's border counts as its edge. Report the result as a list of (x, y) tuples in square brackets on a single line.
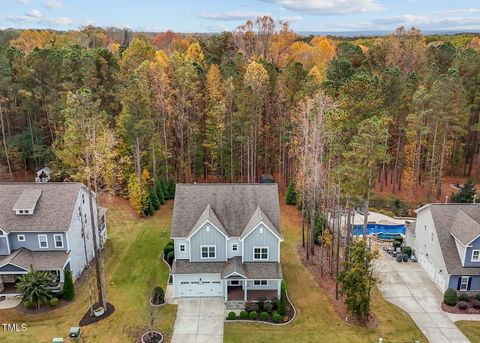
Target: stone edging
[(262, 322)]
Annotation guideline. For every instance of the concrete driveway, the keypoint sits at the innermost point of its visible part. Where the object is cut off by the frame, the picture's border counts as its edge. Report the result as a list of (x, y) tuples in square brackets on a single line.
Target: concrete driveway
[(199, 320), (408, 286)]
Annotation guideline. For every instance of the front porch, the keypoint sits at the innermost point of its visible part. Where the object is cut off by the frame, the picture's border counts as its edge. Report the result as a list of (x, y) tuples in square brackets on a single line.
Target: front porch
[(239, 289), (236, 293)]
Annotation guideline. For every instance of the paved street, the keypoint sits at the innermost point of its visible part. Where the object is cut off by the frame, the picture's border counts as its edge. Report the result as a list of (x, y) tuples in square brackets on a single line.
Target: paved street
[(199, 320), (407, 286)]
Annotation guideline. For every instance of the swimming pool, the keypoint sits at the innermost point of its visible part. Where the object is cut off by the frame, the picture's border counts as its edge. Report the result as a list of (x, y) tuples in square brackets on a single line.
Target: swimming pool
[(390, 230)]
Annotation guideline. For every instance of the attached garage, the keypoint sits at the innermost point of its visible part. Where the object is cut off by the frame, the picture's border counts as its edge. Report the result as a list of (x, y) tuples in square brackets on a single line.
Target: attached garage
[(441, 281), (427, 265), (198, 286)]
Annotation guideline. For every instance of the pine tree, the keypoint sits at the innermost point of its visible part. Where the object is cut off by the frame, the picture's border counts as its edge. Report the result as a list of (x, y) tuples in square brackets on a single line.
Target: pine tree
[(137, 195), (160, 190), (466, 194), (154, 199), (149, 210), (171, 188), (291, 196), (68, 288)]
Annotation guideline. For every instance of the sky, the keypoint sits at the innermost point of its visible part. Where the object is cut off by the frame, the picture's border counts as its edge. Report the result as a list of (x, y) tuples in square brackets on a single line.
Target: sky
[(215, 16)]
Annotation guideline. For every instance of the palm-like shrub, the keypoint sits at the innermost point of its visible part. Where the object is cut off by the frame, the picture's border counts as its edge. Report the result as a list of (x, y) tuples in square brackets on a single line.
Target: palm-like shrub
[(34, 287)]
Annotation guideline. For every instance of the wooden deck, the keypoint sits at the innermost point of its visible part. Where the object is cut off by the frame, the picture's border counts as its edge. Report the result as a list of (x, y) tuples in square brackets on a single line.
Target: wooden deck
[(236, 293)]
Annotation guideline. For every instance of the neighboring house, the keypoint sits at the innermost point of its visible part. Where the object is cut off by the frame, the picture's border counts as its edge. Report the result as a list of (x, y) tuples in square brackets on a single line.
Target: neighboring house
[(227, 241), (43, 174), (446, 241), (41, 226)]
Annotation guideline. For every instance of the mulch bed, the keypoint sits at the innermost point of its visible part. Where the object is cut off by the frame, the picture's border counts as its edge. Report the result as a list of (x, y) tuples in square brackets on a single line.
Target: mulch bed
[(455, 309), (328, 284), (87, 319), (44, 309)]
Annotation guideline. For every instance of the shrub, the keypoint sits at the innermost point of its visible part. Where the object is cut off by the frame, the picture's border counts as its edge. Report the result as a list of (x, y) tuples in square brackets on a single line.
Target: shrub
[(282, 304), (463, 297), (53, 302), (268, 307), (264, 316), (396, 244), (158, 296), (168, 248), (476, 304), (27, 304), (450, 297), (291, 195), (477, 296), (398, 239), (462, 305), (231, 316), (251, 306), (253, 315), (261, 303), (68, 289), (277, 318), (170, 257), (274, 302), (407, 251), (243, 315)]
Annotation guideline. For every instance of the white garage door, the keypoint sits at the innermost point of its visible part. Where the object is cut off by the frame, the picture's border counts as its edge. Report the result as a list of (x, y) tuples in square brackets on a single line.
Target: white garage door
[(440, 281), (427, 265), (200, 289)]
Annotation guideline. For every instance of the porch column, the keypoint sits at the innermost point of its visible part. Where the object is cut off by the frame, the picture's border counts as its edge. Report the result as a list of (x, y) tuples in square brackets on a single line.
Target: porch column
[(279, 288), (244, 290), (225, 289)]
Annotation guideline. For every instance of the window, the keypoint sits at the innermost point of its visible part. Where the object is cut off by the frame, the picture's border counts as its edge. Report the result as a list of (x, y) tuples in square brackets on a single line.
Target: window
[(42, 241), (235, 247), (464, 283), (425, 227), (234, 283), (208, 251), (260, 253), (83, 198), (85, 218), (58, 241), (431, 237), (20, 211), (476, 256), (260, 282), (21, 238), (261, 229), (182, 247)]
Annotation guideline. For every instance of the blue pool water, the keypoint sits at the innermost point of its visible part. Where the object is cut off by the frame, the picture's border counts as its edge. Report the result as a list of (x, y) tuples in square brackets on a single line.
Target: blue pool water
[(389, 231)]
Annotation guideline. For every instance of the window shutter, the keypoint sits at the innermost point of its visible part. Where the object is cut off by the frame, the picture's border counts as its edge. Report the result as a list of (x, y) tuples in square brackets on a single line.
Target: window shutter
[(469, 283), (459, 282)]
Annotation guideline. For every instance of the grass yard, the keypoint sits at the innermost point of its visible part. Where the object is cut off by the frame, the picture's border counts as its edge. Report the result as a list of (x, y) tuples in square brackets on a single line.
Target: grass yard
[(316, 319), (470, 329), (133, 256)]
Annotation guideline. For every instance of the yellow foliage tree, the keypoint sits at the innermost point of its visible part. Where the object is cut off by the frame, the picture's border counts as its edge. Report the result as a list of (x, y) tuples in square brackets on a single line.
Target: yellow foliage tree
[(31, 39), (195, 52)]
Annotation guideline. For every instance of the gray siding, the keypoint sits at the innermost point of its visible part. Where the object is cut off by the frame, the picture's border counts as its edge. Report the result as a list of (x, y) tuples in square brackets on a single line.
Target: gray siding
[(474, 283), (257, 239), (11, 268), (3, 246), (181, 255), (31, 241), (211, 237), (475, 245)]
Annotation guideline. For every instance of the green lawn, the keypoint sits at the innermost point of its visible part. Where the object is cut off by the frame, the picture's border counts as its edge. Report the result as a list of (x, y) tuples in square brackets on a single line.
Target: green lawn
[(134, 252), (316, 319), (470, 329)]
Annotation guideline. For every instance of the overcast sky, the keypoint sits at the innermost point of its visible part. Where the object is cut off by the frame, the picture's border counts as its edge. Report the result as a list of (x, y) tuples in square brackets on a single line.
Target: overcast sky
[(212, 16)]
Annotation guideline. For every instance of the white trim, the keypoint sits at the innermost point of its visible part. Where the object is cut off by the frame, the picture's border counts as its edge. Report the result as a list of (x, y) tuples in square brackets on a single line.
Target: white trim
[(13, 264), (46, 241), (208, 252), (8, 243), (180, 247), (227, 276), (235, 245), (473, 240), (458, 240), (256, 227), (202, 226), (55, 241), (478, 258), (20, 235), (461, 282), (260, 259)]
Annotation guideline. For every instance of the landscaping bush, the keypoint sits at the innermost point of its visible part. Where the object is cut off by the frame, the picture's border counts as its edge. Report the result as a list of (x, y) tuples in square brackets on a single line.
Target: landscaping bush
[(398, 239), (251, 306), (169, 247), (243, 315), (282, 304), (264, 316), (68, 288), (274, 302), (463, 297), (268, 307), (462, 305), (231, 316), (28, 304), (53, 302), (170, 257), (261, 303), (396, 244), (253, 315), (407, 251), (476, 304), (158, 296), (450, 297), (277, 318), (477, 296)]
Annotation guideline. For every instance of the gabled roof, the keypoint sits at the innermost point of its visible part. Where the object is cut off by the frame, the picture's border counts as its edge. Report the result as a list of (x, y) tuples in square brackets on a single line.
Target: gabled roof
[(209, 215), (233, 205), (443, 216), (464, 228), (53, 211), (40, 260), (234, 266), (257, 218), (27, 199)]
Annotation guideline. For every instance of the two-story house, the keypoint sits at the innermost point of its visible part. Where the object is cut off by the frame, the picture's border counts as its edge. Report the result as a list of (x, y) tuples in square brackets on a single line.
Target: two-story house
[(47, 227), (446, 241), (227, 241)]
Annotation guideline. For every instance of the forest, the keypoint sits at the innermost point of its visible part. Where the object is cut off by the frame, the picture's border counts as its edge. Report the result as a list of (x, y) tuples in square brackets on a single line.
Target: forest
[(333, 116)]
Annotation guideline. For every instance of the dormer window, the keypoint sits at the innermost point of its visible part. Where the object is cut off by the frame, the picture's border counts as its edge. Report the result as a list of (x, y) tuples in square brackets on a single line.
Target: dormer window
[(234, 246), (182, 247), (27, 201)]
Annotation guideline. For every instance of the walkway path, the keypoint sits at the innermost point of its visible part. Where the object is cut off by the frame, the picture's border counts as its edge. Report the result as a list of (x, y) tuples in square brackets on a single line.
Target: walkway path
[(407, 286), (199, 320)]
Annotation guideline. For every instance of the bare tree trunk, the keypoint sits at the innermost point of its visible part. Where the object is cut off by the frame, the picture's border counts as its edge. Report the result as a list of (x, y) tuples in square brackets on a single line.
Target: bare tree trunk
[(137, 160), (430, 178), (4, 140), (442, 158), (87, 263)]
